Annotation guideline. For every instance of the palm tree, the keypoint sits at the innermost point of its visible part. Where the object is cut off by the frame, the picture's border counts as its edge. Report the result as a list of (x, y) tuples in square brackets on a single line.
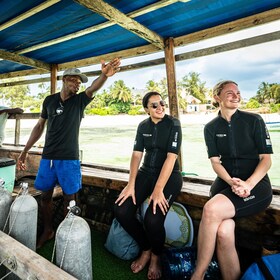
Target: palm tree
[(193, 86), (275, 93), (152, 86), (163, 88), (120, 92), (263, 93)]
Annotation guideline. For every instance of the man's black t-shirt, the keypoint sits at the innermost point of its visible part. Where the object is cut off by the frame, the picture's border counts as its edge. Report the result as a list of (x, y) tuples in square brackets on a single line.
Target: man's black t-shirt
[(158, 140), (62, 136)]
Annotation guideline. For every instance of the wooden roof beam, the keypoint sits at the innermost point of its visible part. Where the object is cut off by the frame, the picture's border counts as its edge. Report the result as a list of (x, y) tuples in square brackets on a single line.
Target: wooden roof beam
[(114, 15), (28, 14), (230, 27), (179, 57), (136, 13), (24, 60)]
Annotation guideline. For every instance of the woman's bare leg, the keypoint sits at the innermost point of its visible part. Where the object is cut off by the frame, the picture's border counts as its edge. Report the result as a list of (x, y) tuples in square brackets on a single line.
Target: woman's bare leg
[(215, 211), (226, 251)]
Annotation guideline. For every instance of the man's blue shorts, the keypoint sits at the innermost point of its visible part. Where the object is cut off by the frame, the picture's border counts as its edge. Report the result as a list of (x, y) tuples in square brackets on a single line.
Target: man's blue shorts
[(66, 173)]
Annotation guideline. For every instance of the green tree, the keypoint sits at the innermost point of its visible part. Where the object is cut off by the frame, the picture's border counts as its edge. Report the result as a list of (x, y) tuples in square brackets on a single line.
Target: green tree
[(15, 96), (263, 93), (163, 88), (275, 93), (253, 104), (151, 85), (120, 92), (181, 100), (194, 86)]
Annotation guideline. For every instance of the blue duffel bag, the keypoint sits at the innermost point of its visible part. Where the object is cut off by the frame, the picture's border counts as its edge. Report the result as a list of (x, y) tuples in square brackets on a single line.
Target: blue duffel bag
[(265, 268)]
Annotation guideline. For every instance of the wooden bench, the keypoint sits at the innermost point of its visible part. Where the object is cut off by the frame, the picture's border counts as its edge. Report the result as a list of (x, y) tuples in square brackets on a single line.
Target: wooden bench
[(251, 231)]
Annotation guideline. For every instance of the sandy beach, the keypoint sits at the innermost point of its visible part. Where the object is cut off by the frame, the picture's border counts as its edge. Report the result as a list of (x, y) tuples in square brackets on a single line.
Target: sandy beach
[(193, 118), (107, 121)]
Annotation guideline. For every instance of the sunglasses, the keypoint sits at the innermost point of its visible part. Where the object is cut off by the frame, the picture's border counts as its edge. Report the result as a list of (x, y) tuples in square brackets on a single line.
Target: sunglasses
[(59, 111), (154, 105)]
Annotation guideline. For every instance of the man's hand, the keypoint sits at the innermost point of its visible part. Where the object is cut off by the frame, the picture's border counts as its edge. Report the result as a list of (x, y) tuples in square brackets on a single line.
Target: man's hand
[(111, 67), (21, 161)]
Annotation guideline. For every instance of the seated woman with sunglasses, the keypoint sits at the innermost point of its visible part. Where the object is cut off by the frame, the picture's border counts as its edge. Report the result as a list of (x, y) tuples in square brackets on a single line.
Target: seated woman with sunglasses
[(159, 178)]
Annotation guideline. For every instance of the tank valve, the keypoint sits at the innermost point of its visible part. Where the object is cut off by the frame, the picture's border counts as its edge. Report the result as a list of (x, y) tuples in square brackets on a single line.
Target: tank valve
[(73, 208), (24, 186)]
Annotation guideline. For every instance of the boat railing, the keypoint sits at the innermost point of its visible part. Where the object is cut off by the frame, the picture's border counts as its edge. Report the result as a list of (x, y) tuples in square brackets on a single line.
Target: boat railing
[(18, 118)]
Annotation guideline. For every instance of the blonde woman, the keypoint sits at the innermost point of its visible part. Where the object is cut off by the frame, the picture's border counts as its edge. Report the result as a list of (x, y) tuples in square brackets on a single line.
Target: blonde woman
[(239, 148)]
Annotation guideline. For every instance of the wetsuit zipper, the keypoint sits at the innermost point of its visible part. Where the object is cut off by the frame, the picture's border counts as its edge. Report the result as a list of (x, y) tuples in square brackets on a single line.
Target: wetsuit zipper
[(232, 149), (153, 157)]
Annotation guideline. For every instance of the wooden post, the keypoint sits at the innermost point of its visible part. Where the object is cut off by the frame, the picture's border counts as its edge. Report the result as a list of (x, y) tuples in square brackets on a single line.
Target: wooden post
[(171, 77), (26, 264), (17, 131), (171, 84), (53, 78)]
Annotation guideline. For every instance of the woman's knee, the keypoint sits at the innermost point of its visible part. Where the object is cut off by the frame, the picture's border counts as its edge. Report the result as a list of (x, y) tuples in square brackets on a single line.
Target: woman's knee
[(125, 211), (153, 222), (225, 233), (210, 210)]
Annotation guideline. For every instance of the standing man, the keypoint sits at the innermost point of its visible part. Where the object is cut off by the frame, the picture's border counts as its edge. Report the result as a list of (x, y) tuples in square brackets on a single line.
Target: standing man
[(60, 163)]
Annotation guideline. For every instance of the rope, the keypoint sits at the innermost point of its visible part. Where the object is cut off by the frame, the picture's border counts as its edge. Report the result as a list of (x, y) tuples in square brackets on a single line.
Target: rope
[(8, 272), (6, 223), (13, 222), (67, 240), (6, 275)]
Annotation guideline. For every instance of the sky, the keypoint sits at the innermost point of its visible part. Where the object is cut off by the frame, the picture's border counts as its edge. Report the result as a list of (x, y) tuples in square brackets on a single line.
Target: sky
[(249, 66)]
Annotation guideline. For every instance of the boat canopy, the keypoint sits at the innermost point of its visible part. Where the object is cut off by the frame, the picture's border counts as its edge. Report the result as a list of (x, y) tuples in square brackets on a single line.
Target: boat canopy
[(37, 34)]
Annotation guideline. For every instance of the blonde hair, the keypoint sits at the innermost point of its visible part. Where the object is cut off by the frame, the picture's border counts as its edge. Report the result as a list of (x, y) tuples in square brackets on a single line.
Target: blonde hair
[(217, 89)]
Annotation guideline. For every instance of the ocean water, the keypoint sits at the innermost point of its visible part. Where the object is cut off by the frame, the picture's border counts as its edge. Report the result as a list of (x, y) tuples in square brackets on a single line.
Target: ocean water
[(109, 140)]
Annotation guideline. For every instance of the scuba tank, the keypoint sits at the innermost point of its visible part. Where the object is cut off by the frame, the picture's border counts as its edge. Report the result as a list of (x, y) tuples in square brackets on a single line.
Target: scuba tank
[(5, 204), (73, 245), (23, 219)]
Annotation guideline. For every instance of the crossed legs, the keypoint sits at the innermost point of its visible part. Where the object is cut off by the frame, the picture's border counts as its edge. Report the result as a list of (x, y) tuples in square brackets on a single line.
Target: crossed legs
[(217, 228)]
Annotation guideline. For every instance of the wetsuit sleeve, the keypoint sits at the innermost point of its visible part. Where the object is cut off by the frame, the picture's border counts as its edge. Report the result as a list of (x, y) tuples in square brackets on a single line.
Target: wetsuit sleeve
[(262, 137), (209, 137), (139, 141), (175, 139)]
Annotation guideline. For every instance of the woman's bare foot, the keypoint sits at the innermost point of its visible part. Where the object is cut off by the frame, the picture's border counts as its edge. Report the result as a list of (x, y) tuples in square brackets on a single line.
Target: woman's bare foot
[(46, 236), (141, 262), (154, 271)]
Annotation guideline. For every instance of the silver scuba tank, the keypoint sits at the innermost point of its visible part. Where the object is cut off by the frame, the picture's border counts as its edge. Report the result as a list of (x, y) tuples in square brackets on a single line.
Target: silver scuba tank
[(73, 245), (5, 204), (23, 219)]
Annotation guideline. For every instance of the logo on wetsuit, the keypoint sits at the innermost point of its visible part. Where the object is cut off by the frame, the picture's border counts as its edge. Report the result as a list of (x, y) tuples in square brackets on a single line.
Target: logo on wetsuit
[(174, 144), (221, 135), (249, 198)]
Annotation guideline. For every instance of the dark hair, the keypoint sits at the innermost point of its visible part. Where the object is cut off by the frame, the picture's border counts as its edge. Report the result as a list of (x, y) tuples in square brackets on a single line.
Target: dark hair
[(217, 89), (147, 96)]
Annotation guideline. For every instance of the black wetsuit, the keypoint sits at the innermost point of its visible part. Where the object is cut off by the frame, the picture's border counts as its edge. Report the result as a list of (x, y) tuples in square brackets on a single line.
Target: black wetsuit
[(239, 143), (157, 140)]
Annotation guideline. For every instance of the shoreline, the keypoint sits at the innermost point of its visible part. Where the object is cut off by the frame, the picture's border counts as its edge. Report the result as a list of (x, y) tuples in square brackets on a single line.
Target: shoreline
[(113, 120)]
